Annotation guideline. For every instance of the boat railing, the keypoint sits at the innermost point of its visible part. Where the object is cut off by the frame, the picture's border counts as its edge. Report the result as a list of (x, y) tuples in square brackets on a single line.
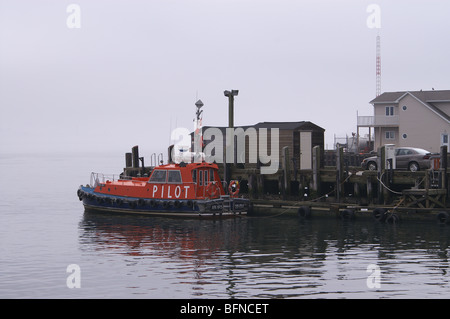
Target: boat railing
[(101, 178)]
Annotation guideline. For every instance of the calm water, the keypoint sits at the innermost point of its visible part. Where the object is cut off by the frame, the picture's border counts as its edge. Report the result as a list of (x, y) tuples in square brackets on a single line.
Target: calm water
[(45, 229)]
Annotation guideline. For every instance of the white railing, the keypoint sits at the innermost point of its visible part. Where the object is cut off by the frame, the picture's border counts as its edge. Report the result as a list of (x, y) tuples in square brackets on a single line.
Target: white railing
[(379, 120), (100, 178)]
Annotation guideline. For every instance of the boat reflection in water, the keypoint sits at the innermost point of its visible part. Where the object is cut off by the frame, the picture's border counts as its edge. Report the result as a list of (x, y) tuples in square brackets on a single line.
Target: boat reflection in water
[(258, 257), (144, 235)]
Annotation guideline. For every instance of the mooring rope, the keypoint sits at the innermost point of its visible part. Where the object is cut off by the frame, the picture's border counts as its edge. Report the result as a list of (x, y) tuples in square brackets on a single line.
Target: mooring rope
[(392, 191)]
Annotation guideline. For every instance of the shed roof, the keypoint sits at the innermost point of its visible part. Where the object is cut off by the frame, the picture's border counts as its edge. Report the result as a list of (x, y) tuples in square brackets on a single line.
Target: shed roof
[(301, 125)]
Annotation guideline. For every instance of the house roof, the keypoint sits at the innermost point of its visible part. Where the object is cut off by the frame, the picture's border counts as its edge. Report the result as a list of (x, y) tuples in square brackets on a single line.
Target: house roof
[(424, 96), (427, 98)]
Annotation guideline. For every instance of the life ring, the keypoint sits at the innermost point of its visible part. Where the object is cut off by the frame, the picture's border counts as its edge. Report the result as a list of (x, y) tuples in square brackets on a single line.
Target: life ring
[(212, 190), (233, 188)]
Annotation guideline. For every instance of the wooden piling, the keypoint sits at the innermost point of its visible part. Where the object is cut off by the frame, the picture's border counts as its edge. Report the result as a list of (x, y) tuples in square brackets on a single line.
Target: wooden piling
[(381, 170), (316, 170), (356, 193), (128, 160), (135, 155), (260, 185), (369, 190), (286, 171), (339, 172), (444, 168)]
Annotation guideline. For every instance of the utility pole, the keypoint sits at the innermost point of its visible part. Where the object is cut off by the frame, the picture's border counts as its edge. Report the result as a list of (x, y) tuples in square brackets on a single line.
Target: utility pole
[(227, 166), (231, 94)]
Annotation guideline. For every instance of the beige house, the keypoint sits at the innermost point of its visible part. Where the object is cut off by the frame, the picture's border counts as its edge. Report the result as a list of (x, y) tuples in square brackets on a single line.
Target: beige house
[(412, 118)]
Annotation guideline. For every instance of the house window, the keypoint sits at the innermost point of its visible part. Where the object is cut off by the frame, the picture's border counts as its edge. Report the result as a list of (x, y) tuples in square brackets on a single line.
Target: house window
[(405, 136), (404, 107), (444, 139), (390, 135), (389, 111)]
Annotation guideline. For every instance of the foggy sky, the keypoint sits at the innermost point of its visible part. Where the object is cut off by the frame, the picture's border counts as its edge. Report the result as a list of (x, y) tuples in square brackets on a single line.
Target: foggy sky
[(134, 69)]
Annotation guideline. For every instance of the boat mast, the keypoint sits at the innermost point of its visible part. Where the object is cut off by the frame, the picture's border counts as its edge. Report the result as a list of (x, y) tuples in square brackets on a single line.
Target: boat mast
[(198, 135)]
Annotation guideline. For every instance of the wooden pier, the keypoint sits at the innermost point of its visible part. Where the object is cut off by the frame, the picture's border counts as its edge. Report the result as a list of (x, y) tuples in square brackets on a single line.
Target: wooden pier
[(348, 192), (342, 190)]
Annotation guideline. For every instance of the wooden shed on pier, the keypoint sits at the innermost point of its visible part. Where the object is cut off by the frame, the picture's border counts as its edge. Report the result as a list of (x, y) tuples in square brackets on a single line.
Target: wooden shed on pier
[(299, 138)]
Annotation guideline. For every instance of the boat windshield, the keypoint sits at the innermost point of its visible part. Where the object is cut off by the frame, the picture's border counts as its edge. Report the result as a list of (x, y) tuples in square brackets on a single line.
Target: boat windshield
[(174, 177), (158, 176)]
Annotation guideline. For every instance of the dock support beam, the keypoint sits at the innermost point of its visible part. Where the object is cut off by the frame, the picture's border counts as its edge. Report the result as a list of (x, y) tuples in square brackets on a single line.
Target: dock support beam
[(227, 166), (135, 154), (128, 160), (316, 170), (369, 190), (380, 173), (444, 168), (286, 172), (339, 172)]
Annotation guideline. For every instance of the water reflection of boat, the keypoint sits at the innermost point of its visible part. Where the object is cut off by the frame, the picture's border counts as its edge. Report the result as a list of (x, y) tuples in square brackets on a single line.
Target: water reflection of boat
[(138, 236), (266, 257)]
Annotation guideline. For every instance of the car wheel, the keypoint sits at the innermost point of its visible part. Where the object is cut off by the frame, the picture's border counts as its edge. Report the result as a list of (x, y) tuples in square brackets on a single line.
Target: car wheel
[(372, 166), (413, 167)]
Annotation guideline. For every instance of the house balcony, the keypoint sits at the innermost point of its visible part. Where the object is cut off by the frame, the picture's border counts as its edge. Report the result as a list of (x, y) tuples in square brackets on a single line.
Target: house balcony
[(378, 121)]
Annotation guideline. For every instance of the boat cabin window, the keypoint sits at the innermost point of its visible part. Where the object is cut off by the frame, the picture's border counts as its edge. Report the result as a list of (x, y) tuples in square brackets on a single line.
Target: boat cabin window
[(174, 177), (194, 176), (200, 177), (158, 176)]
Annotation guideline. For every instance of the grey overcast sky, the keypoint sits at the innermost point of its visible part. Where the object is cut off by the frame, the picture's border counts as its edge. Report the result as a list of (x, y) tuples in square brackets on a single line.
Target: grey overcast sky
[(131, 70)]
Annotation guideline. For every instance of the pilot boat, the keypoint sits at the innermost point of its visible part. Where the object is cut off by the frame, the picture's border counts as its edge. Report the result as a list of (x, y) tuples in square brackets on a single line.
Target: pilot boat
[(184, 189)]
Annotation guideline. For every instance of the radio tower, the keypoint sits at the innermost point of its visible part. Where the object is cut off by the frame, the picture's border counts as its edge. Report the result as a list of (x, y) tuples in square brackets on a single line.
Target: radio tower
[(378, 73)]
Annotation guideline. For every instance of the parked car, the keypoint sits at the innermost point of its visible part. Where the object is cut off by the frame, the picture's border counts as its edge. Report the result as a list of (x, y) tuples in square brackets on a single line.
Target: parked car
[(410, 158)]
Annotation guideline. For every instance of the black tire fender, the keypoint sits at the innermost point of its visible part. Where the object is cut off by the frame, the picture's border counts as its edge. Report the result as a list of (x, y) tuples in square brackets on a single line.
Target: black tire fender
[(392, 218), (347, 214), (304, 212), (379, 214), (443, 217)]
